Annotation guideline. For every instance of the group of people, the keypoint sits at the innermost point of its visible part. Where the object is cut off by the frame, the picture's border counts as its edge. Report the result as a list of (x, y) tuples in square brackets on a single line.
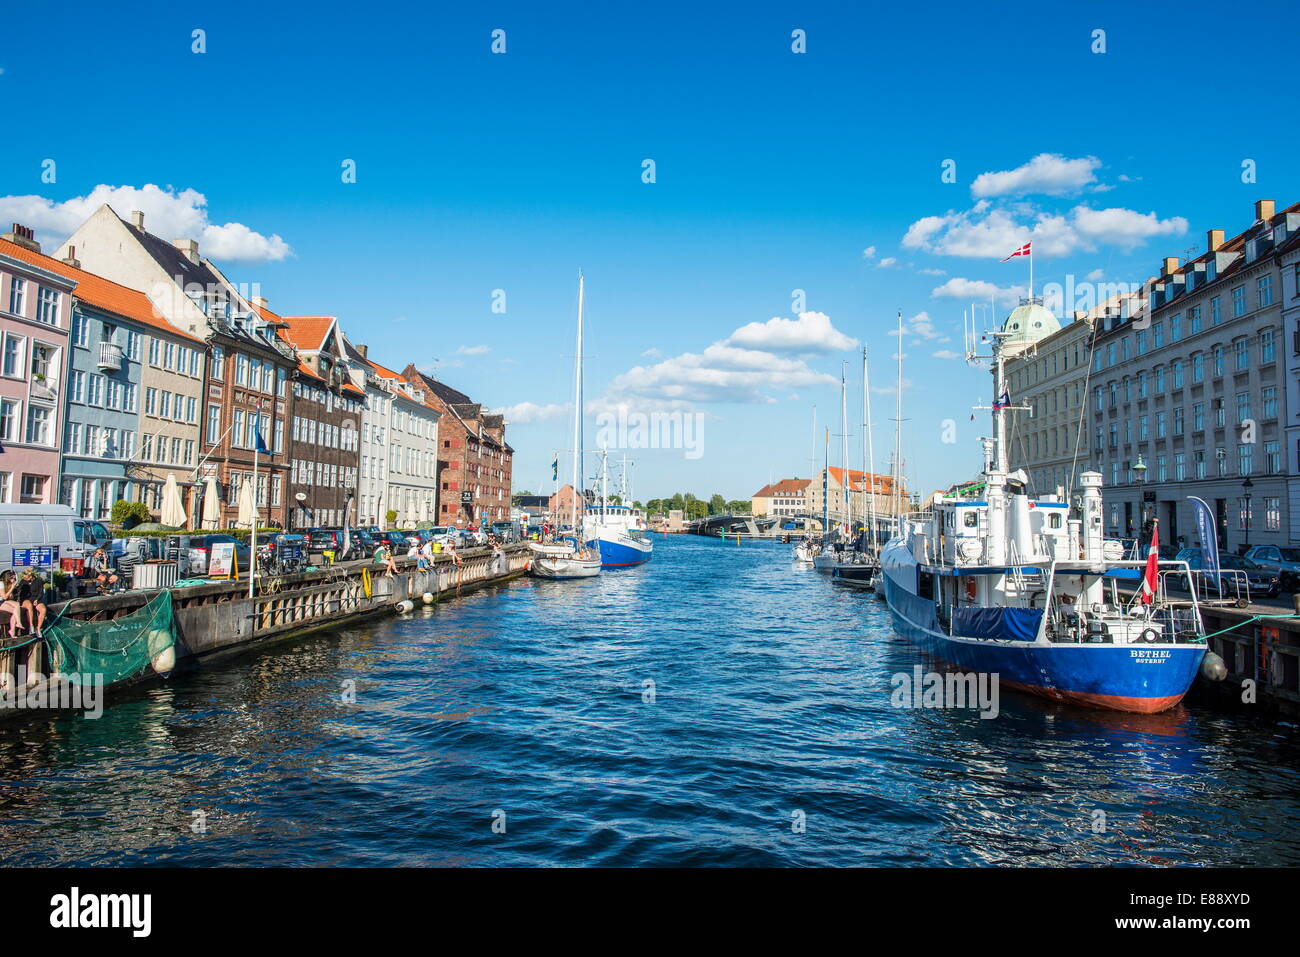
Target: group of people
[(22, 600)]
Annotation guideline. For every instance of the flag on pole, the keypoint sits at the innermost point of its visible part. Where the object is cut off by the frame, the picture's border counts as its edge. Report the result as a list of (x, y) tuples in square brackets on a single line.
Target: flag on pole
[(1153, 556), (555, 469), (1003, 401), (1022, 251)]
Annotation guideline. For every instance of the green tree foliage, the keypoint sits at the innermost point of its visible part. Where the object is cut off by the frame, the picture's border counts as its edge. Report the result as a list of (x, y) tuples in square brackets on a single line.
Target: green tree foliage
[(129, 514)]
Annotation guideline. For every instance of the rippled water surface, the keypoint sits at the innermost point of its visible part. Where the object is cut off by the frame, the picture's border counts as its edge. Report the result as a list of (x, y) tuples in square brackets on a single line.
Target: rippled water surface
[(528, 704)]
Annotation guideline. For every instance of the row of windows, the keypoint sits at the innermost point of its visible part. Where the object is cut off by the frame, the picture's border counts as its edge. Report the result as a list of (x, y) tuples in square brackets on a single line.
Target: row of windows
[(326, 398), (48, 301), (324, 433), (237, 480), (39, 424), (166, 405), (100, 441), (327, 474), (1203, 463)]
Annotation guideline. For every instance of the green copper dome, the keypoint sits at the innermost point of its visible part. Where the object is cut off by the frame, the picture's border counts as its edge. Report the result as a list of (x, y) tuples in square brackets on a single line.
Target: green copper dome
[(1028, 324)]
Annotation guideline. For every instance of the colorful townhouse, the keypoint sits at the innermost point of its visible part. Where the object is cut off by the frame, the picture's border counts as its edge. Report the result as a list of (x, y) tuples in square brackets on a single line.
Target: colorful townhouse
[(372, 477), (325, 430), (475, 461), (411, 446), (35, 316), (246, 377)]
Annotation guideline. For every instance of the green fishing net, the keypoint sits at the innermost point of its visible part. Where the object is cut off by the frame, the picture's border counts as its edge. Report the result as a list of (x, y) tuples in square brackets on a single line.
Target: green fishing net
[(116, 649)]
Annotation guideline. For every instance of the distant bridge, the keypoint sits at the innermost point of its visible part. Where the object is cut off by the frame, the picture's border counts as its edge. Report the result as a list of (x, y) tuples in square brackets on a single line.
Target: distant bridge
[(748, 526)]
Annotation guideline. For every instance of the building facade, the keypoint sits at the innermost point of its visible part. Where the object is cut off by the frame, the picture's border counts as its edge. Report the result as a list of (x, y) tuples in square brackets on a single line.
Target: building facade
[(411, 451), (1289, 267), (246, 376), (35, 317), (1189, 395), (786, 497), (475, 461), (865, 491), (326, 415)]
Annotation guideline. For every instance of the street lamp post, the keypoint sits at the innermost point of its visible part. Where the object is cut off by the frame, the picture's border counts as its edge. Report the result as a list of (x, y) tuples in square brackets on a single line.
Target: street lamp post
[(1140, 468), (1248, 518)]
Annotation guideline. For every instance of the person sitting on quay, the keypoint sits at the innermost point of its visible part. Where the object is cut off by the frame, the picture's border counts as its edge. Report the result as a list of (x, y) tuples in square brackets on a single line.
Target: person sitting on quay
[(31, 594), (414, 552), (8, 605), (101, 567), (385, 554), (426, 552)]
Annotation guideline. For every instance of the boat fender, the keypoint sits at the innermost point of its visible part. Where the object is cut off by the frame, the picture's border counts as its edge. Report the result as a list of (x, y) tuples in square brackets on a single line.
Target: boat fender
[(1213, 667), (1149, 635), (427, 598), (406, 606), (162, 650)]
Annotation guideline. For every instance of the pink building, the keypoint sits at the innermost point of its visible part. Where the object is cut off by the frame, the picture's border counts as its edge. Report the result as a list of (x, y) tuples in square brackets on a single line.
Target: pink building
[(35, 315)]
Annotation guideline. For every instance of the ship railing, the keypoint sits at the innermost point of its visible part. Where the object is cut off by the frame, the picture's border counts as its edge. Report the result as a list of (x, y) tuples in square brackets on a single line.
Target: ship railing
[(1183, 619)]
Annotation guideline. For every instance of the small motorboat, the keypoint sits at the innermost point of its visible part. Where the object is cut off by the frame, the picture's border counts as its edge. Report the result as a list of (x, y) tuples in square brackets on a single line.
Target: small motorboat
[(572, 563), (855, 574), (805, 552)]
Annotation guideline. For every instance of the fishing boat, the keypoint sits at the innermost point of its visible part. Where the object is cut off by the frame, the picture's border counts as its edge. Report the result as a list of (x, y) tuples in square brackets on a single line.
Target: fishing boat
[(569, 558), (1026, 589), (617, 532), (805, 552)]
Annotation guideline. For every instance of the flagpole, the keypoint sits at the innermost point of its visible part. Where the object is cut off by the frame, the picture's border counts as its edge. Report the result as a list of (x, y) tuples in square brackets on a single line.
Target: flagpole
[(252, 551), (1031, 271)]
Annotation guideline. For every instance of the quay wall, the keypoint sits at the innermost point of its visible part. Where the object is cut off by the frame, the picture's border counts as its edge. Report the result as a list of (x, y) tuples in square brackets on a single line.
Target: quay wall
[(1265, 651), (218, 619)]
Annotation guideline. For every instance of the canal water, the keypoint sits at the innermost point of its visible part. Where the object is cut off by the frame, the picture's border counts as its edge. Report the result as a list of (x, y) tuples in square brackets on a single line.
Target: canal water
[(716, 707)]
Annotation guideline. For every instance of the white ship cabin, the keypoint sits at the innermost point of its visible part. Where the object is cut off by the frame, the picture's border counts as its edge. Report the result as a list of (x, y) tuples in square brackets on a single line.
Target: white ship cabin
[(1008, 551)]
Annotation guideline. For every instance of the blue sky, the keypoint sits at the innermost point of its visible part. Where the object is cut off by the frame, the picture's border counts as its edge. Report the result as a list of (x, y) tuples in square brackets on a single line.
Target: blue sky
[(775, 171)]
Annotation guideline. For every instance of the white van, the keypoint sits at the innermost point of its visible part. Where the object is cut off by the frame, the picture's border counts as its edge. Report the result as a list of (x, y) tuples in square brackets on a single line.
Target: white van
[(42, 535)]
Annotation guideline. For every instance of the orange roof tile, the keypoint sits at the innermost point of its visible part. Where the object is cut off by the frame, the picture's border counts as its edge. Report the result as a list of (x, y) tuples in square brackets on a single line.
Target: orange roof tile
[(307, 332), (99, 292)]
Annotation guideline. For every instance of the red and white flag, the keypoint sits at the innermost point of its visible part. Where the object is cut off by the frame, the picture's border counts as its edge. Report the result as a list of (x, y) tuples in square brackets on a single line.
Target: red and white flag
[(1022, 251), (1153, 556)]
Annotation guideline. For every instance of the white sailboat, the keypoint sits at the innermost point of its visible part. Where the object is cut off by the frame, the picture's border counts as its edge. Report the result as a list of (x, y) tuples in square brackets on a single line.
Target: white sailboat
[(571, 559), (858, 568)]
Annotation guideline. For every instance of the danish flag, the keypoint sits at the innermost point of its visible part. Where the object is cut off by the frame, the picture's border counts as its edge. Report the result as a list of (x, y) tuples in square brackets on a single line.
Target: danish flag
[(1022, 251), (1153, 556)]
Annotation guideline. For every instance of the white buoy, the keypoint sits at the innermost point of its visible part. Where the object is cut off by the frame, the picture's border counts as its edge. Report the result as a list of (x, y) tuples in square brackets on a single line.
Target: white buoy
[(406, 606), (427, 598), (162, 650)]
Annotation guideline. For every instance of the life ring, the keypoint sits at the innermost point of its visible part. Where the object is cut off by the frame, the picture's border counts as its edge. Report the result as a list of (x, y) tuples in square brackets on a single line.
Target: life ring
[(1149, 635), (971, 589)]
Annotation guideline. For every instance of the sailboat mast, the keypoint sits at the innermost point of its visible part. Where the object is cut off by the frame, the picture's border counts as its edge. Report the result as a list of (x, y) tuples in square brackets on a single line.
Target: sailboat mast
[(844, 444), (577, 418), (898, 431), (868, 452)]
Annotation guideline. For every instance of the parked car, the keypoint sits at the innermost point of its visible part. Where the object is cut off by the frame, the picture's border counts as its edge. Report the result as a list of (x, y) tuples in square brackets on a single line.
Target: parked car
[(1261, 581), (321, 540), (199, 547), (1281, 559), (507, 531), (394, 540)]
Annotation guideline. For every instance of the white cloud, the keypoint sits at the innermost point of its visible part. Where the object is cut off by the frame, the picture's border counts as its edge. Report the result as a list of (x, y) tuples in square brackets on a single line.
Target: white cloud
[(1048, 173), (812, 332), (920, 326), (987, 232), (889, 262), (525, 412), (977, 290), (651, 353), (473, 350), (869, 252), (933, 272), (721, 373), (168, 213), (1095, 275), (946, 354)]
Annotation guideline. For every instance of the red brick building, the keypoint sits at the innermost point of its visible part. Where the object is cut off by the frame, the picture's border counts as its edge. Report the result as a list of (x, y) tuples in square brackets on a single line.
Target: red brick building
[(474, 459)]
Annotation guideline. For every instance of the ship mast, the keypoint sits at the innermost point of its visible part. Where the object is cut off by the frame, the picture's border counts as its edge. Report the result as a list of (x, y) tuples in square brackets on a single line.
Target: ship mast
[(577, 419), (898, 432), (868, 455), (844, 446)]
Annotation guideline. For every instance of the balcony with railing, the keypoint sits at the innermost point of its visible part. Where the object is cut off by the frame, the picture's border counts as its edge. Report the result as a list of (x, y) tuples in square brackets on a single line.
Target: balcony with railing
[(110, 357)]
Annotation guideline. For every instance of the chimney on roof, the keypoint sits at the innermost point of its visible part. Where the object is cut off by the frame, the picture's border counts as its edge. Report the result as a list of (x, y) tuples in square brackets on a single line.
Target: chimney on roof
[(1264, 209), (1171, 265), (362, 349), (71, 258), (137, 219), (261, 302), (1213, 239), (23, 236), (190, 247)]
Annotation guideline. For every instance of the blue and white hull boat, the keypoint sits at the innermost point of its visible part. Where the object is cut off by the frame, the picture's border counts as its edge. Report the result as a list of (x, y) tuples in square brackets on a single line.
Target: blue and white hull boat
[(1027, 589), (620, 549)]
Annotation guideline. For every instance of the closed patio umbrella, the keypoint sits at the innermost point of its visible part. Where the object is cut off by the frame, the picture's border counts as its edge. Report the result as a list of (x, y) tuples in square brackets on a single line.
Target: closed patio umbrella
[(247, 509), (211, 503), (173, 511)]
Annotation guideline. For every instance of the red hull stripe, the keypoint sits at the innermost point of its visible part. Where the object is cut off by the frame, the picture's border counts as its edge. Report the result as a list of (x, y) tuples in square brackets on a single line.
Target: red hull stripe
[(1110, 701)]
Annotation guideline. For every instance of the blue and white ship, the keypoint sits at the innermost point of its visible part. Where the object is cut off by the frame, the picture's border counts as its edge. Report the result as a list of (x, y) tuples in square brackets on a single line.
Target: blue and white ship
[(619, 532), (1027, 589)]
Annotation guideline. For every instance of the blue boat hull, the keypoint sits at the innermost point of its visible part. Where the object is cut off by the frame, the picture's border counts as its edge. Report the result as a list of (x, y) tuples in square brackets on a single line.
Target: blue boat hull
[(619, 554), (1137, 678)]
